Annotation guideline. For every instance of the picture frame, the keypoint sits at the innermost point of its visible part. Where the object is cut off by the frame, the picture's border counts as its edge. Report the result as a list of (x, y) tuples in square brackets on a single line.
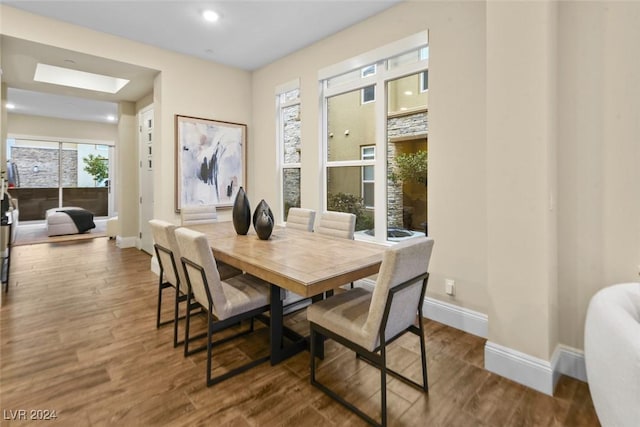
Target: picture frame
[(210, 161)]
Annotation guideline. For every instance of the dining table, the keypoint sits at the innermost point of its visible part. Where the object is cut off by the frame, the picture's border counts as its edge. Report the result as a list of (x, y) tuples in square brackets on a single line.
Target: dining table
[(306, 263)]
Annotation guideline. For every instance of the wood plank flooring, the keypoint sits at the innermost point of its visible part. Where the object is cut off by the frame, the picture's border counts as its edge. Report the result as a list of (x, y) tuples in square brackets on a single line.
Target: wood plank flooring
[(78, 337)]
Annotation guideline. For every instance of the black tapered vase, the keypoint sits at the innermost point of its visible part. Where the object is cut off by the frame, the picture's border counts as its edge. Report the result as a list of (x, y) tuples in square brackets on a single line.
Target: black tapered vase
[(263, 220), (241, 213), (264, 225)]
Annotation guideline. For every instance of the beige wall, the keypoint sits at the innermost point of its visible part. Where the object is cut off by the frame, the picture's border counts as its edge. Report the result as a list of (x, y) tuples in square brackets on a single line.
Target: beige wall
[(598, 152), (521, 187), (188, 86), (25, 125)]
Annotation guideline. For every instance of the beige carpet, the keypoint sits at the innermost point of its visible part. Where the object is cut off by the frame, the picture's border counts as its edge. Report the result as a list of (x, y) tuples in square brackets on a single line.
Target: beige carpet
[(31, 233)]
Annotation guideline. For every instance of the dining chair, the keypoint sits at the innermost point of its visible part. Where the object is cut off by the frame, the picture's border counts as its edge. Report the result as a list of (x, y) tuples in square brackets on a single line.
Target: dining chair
[(205, 214), (198, 214), (298, 219), (337, 224), (168, 256), (301, 219), (226, 302), (367, 322)]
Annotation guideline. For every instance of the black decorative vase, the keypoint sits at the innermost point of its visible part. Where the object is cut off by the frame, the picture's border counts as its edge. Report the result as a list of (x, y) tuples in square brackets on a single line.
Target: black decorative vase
[(262, 207), (264, 225), (263, 220), (241, 213)]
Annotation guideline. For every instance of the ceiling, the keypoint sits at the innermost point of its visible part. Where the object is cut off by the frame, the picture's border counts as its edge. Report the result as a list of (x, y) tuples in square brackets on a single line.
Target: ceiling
[(248, 35)]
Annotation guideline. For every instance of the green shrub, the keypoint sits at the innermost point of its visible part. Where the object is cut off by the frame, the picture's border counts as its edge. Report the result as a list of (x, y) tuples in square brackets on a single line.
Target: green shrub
[(350, 203)]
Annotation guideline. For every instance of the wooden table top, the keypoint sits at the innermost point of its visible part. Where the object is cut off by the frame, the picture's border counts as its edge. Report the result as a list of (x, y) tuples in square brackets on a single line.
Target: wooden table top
[(302, 262)]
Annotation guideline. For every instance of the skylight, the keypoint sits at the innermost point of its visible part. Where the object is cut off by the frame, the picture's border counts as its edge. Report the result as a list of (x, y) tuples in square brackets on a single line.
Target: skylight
[(78, 79)]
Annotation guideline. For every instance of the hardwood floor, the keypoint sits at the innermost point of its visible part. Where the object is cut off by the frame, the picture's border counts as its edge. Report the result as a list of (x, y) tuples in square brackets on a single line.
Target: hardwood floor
[(78, 337)]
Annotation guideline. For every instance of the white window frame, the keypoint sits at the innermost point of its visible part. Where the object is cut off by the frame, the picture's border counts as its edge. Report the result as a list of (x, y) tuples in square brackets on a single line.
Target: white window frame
[(282, 166), (367, 158), (362, 92), (383, 75)]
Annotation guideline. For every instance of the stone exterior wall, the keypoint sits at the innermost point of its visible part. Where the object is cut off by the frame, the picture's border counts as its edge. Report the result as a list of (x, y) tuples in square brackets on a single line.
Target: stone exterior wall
[(403, 127), (46, 160), (291, 154)]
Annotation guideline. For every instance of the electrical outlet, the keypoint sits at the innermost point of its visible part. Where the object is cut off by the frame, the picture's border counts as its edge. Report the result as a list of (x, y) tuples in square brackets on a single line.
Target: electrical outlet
[(450, 286)]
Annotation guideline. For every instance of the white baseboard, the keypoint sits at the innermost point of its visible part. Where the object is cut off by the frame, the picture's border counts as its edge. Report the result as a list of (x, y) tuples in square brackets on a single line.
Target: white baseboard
[(538, 374), (126, 242), (155, 265), (522, 368), (469, 321), (570, 363)]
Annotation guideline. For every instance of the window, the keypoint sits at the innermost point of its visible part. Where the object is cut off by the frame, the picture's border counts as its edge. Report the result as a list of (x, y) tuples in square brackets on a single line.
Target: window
[(374, 118), (368, 94), (49, 174), (424, 81), (368, 71), (288, 134), (368, 178)]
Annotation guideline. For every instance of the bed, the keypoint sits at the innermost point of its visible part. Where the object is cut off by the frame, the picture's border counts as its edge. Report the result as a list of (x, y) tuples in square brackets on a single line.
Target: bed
[(68, 220)]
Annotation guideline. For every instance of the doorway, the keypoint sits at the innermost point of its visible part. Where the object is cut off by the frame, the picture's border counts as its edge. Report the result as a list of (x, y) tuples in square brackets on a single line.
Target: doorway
[(49, 174)]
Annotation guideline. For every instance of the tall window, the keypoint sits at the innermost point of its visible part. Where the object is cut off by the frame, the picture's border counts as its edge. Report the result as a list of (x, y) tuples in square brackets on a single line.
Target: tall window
[(375, 139), (288, 105), (368, 178)]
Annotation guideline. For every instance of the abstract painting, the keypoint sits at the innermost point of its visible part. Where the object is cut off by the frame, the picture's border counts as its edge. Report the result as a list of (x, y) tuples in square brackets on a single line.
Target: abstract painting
[(210, 157)]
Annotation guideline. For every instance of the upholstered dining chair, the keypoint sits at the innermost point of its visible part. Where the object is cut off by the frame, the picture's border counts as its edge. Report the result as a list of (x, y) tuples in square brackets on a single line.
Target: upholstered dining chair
[(205, 214), (367, 322), (168, 256), (226, 302), (336, 224), (301, 219), (298, 219), (198, 214)]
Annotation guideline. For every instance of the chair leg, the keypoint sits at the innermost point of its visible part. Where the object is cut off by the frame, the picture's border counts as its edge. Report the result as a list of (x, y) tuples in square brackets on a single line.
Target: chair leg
[(209, 348), (423, 356), (383, 387), (159, 301), (312, 355), (187, 322), (175, 318), (161, 287)]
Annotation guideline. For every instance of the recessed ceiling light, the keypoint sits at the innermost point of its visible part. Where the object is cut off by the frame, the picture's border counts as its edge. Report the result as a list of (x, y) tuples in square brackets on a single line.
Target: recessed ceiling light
[(408, 92), (10, 106), (210, 16), (78, 79), (111, 118)]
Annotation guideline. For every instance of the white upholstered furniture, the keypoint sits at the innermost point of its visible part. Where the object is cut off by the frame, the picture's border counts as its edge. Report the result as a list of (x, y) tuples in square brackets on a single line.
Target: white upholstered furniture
[(171, 274), (226, 302), (59, 223), (198, 214), (113, 227), (366, 322), (337, 224), (612, 354), (301, 218)]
